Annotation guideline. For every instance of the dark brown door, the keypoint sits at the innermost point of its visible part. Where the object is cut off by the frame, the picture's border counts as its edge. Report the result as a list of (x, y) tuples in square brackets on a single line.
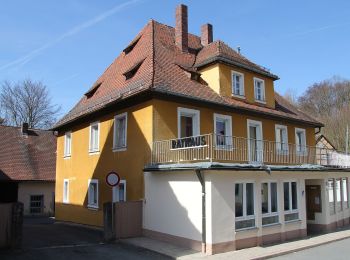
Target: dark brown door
[(313, 200)]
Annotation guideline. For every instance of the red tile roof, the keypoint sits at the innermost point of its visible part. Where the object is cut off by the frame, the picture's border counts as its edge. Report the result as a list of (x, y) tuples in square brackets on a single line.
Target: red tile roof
[(164, 69), (27, 158)]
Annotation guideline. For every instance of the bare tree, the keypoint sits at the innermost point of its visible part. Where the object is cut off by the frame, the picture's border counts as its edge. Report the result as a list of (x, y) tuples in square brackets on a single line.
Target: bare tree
[(28, 101), (329, 102), (291, 96)]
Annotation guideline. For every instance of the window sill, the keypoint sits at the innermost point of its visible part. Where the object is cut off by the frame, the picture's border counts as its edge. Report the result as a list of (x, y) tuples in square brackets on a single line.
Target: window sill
[(223, 148), (293, 221), (238, 96), (67, 157), (92, 207), (119, 149), (246, 229), (272, 225), (282, 152), (260, 101), (94, 152), (65, 203)]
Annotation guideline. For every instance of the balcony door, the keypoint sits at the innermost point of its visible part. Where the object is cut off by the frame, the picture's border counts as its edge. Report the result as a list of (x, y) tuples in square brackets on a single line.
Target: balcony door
[(255, 142)]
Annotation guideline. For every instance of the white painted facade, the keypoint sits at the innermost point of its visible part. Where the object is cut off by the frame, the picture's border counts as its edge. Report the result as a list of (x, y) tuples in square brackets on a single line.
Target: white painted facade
[(173, 203), (31, 188)]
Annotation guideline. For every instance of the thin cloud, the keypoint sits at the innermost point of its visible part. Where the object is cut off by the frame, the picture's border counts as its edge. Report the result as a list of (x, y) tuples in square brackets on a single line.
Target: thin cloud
[(28, 57), (315, 30), (65, 79)]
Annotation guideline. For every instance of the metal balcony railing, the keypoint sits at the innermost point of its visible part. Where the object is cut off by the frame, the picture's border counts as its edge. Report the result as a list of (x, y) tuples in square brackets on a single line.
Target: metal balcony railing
[(219, 148)]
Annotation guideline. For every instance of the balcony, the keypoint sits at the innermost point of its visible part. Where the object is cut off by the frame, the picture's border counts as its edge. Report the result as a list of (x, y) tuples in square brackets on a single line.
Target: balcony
[(231, 149)]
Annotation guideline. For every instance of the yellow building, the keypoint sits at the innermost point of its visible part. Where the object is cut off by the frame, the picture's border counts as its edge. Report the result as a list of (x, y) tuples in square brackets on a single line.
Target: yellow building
[(176, 102)]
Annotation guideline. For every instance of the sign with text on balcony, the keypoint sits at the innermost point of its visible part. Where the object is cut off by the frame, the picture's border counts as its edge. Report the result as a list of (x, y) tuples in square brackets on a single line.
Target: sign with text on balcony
[(189, 142)]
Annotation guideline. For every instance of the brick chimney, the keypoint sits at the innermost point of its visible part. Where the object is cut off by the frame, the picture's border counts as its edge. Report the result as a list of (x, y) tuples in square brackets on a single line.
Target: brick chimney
[(206, 34), (24, 128), (181, 28)]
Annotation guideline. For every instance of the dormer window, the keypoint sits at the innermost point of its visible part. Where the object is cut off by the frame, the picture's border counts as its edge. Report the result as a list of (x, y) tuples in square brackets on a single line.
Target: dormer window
[(133, 70), (237, 84), (259, 90)]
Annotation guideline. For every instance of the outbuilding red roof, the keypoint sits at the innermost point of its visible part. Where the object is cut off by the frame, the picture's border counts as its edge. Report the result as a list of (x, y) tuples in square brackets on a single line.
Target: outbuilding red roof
[(156, 64), (29, 157)]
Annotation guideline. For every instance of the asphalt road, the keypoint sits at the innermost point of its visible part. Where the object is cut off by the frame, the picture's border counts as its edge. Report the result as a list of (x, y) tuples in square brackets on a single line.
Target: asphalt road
[(339, 250), (43, 239)]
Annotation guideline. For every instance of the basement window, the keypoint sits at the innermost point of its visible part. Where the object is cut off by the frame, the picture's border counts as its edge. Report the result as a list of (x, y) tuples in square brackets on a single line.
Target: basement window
[(132, 71), (131, 46)]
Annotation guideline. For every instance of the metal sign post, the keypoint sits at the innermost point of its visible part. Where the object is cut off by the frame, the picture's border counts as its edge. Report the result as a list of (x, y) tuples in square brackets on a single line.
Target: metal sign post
[(112, 180)]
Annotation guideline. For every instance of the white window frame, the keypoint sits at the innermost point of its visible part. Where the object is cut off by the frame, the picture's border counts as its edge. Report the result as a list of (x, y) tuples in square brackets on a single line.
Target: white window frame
[(241, 87), (115, 147), (303, 151), (94, 206), (228, 129), (195, 114), (91, 150), (115, 191), (269, 213), (285, 145), (245, 216), (291, 210), (65, 197), (345, 192), (257, 124), (67, 153), (263, 94)]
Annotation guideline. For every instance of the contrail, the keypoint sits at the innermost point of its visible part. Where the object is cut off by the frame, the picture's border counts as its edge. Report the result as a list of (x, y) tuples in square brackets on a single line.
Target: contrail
[(26, 58), (316, 30)]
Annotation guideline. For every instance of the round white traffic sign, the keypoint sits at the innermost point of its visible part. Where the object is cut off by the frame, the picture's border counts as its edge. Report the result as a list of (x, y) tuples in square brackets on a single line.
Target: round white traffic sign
[(112, 179)]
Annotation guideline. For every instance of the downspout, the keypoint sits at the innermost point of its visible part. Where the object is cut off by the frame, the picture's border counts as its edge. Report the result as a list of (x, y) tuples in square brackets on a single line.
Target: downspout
[(318, 130), (200, 176)]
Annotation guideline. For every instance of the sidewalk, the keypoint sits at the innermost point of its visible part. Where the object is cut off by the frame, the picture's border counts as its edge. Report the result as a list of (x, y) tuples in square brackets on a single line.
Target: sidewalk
[(263, 252)]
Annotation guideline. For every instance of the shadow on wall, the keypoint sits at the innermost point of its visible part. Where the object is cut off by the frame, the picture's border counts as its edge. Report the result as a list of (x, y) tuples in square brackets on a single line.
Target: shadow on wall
[(128, 164), (173, 206)]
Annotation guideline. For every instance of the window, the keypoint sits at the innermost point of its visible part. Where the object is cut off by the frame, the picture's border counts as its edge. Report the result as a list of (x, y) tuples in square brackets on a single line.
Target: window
[(269, 203), (223, 131), (120, 131), (119, 192), (300, 141), (188, 122), (237, 84), (36, 204), (244, 205), (331, 196), (281, 139), (94, 137), (93, 193), (290, 192), (67, 144), (65, 191), (338, 194), (255, 142), (259, 90), (345, 192)]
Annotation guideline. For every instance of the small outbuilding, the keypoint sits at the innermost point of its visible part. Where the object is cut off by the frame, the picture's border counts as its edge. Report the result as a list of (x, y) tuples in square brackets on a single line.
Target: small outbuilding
[(28, 168)]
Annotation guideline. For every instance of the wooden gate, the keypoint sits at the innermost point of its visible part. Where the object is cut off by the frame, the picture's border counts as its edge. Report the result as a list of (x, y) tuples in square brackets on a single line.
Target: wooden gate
[(128, 219)]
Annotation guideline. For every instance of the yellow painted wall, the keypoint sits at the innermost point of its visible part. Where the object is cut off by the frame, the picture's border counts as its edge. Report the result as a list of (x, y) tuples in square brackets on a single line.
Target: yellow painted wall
[(219, 78), (83, 166), (153, 120), (165, 120)]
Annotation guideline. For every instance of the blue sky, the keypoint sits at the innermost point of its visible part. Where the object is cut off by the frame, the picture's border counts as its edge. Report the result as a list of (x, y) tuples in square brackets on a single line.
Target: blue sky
[(67, 44)]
